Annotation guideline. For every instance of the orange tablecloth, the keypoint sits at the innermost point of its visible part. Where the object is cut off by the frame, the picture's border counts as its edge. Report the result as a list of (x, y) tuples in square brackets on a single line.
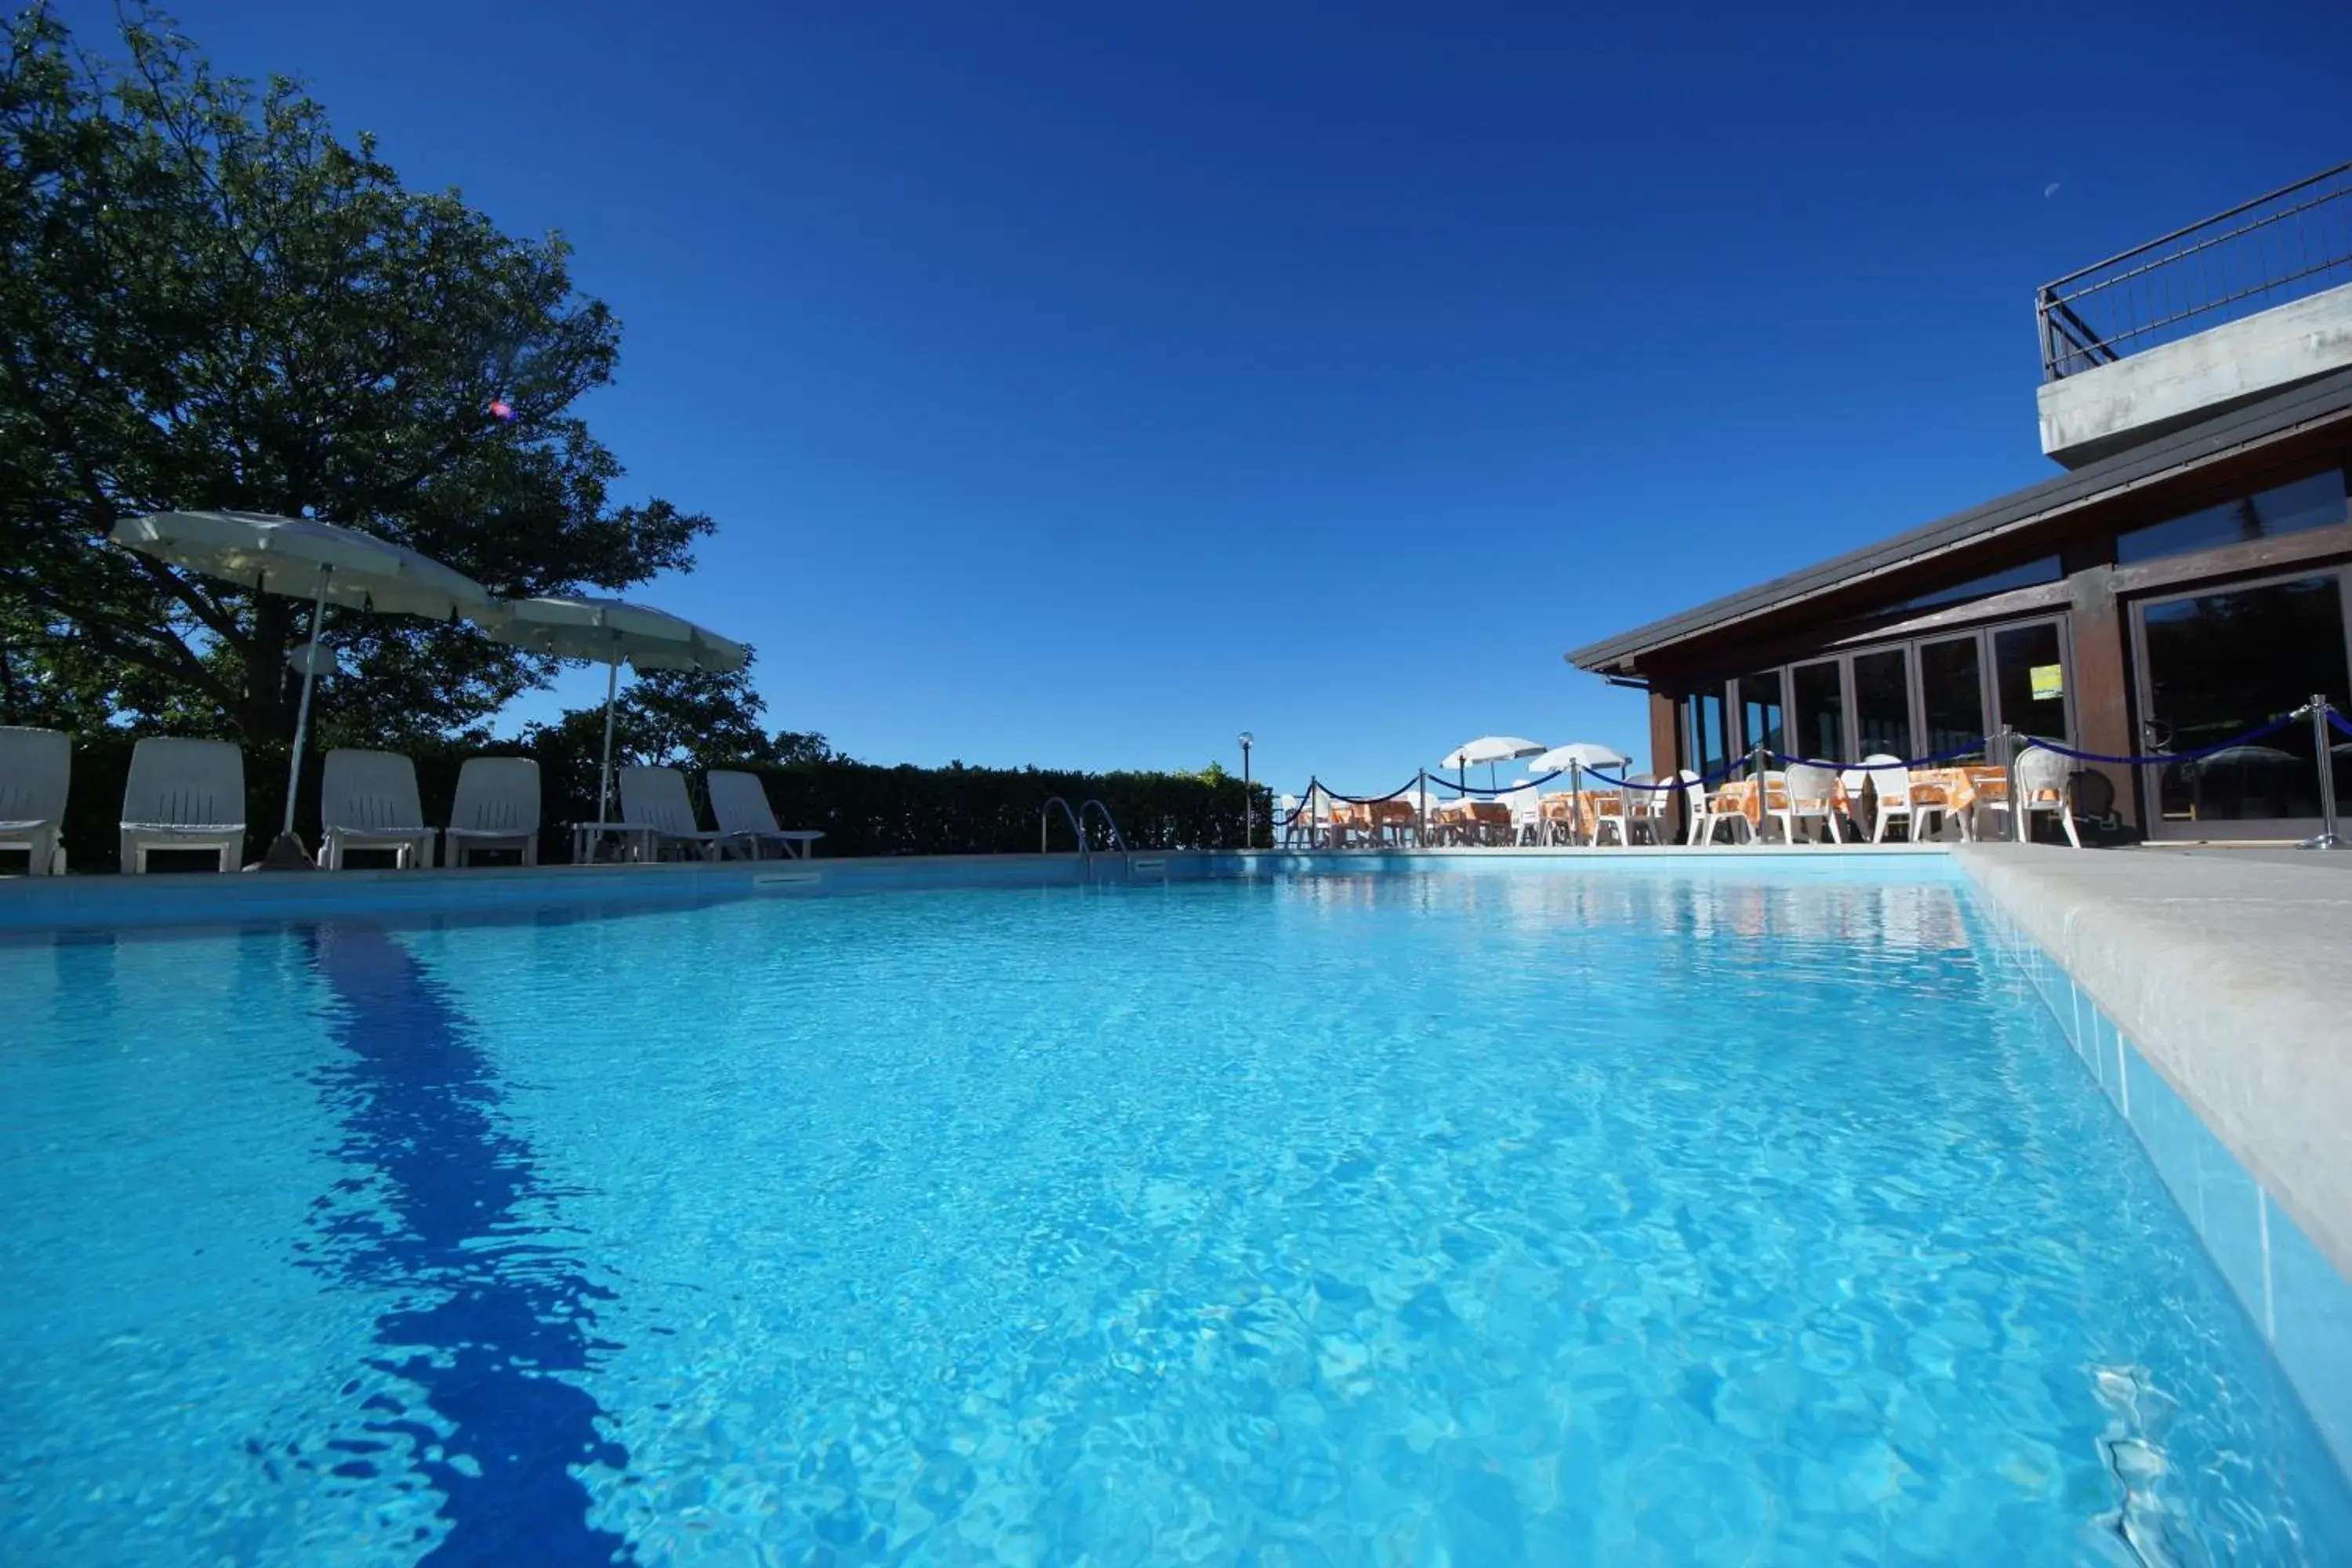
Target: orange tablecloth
[(1957, 789), (1589, 811), (1739, 796)]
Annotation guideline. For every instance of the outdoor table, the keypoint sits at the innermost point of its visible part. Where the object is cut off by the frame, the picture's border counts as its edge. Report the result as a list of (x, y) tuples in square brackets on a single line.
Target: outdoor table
[(1379, 816), (1474, 817), (1739, 796), (1960, 791), (1586, 822)]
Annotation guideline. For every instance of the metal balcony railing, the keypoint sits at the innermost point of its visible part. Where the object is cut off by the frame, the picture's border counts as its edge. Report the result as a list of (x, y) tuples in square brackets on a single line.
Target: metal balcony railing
[(2296, 240)]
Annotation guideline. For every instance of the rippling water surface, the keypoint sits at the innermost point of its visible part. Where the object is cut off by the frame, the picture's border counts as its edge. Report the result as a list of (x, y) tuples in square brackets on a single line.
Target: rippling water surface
[(1578, 1215)]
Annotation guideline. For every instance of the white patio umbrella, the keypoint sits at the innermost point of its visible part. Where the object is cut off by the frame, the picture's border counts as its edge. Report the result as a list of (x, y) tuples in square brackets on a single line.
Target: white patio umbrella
[(611, 632), (1489, 750), (1583, 753), (1572, 760), (303, 558)]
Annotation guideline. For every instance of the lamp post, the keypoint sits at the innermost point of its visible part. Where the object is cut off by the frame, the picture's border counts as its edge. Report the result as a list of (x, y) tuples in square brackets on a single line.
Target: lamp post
[(1248, 741)]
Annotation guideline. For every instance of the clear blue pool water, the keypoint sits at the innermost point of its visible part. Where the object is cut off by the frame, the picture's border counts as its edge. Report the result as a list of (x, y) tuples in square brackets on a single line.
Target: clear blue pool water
[(1555, 1216)]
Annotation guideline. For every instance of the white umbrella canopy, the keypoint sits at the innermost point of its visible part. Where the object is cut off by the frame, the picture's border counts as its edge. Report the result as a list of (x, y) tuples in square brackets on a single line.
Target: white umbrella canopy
[(1489, 750), (1583, 753), (303, 558), (611, 632)]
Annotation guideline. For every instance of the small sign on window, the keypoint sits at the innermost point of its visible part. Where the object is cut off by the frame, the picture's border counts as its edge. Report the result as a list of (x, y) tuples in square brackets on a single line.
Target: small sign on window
[(2049, 680)]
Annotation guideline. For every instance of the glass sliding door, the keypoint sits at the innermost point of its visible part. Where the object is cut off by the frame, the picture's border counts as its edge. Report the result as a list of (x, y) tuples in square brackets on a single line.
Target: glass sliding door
[(1708, 746), (1761, 718), (1881, 705), (2028, 680), (1951, 697), (2215, 665), (1817, 694)]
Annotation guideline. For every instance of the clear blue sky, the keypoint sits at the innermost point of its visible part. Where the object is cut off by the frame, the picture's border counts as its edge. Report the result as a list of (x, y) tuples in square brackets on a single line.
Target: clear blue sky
[(1084, 384)]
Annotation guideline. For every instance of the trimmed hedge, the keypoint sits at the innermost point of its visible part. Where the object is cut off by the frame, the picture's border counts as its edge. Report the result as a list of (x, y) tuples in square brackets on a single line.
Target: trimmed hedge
[(863, 808)]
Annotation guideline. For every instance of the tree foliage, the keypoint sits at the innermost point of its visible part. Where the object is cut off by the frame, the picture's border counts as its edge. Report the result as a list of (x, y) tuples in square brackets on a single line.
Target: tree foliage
[(682, 719), (208, 300)]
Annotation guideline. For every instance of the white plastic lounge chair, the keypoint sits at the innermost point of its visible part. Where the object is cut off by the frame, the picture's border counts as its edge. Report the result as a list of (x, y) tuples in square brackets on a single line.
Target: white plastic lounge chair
[(497, 808), (36, 769), (1807, 794), (656, 812), (183, 794), (747, 824), (2045, 782), (367, 800)]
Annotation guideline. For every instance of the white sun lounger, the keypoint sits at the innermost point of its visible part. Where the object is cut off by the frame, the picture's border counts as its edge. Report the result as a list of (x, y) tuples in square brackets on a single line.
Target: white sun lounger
[(36, 769), (183, 794), (656, 815), (368, 801), (747, 824), (497, 808)]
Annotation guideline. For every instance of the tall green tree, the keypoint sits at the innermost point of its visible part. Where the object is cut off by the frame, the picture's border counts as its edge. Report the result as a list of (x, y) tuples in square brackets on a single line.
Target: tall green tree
[(208, 300)]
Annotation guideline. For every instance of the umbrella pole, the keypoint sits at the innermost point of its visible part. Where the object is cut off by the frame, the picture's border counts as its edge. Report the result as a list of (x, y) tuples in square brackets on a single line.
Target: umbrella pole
[(605, 778), (302, 713)]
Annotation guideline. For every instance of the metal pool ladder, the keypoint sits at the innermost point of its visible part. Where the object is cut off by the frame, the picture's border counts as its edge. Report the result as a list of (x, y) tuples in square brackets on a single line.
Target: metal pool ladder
[(1077, 821)]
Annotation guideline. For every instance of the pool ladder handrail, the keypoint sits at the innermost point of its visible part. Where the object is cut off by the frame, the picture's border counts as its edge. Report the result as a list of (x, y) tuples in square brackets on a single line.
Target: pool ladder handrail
[(1077, 821)]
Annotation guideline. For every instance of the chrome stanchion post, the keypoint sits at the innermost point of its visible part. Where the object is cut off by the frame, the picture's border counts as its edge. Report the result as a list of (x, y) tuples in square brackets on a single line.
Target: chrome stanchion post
[(1421, 823), (2317, 708), (1248, 741), (1575, 803), (2009, 776), (1756, 762)]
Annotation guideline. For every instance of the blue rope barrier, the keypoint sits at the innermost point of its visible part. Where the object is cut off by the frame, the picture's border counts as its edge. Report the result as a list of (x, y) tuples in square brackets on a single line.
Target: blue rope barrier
[(1972, 748), (1368, 799), (2342, 724), (1489, 792), (2160, 758)]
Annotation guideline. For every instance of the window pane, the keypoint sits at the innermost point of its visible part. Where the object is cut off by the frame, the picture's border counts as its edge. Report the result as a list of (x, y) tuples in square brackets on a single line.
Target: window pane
[(1881, 705), (2221, 664), (2028, 677), (2295, 508), (1706, 734), (1759, 712), (2026, 576), (1952, 695), (1821, 711)]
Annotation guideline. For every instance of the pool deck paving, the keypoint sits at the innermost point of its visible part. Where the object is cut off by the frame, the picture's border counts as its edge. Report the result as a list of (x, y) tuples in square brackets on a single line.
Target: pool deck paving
[(2230, 970)]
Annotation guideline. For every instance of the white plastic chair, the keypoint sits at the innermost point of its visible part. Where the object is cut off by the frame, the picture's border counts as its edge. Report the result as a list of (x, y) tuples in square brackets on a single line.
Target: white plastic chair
[(656, 810), (496, 807), (1528, 824), (183, 794), (2046, 782), (1892, 788), (1612, 812), (739, 803), (367, 800), (1707, 809), (1647, 811), (1808, 794), (36, 771)]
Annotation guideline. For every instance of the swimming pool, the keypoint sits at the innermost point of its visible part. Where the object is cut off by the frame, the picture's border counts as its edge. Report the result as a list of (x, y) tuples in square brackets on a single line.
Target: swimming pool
[(1749, 1213)]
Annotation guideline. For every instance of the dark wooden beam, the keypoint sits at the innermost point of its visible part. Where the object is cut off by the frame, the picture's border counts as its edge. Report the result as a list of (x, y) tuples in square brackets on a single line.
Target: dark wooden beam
[(2098, 628)]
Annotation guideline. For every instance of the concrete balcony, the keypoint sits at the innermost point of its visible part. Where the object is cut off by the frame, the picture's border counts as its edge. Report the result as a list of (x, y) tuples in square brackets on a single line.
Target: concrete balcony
[(2243, 304)]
